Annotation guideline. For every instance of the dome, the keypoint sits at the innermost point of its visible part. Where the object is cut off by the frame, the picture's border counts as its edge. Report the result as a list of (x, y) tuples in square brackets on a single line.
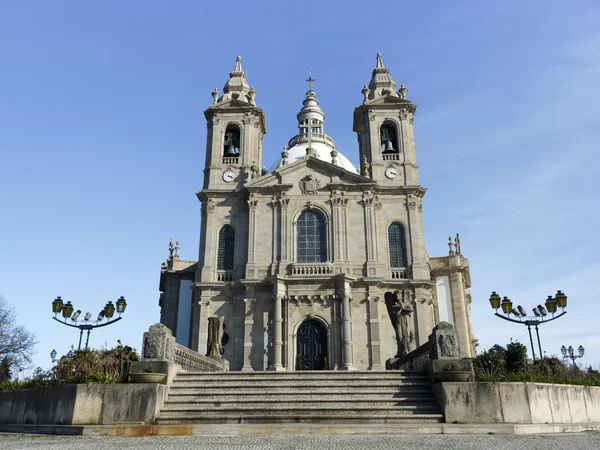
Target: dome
[(321, 151)]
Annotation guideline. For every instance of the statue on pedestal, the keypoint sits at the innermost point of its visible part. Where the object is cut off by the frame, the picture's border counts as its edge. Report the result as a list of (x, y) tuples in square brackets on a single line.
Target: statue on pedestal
[(399, 306)]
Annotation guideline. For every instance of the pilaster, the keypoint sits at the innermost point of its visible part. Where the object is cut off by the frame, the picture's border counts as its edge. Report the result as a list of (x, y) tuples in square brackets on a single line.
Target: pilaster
[(375, 335), (459, 311)]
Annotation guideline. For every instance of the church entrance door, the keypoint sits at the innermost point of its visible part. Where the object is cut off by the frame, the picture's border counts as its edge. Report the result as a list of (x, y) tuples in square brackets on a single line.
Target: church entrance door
[(312, 346)]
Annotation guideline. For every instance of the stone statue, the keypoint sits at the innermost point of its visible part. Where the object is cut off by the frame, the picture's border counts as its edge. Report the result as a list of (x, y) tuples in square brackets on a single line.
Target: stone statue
[(215, 335), (400, 309)]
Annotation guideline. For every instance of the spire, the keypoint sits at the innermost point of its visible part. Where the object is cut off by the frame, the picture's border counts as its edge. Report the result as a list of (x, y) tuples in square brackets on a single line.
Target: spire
[(237, 87), (382, 84)]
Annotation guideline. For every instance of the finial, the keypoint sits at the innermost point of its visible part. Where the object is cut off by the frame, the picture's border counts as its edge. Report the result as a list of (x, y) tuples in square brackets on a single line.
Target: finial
[(365, 166), (170, 248), (402, 91), (215, 95), (379, 61), (254, 170), (284, 155), (457, 243), (450, 246), (366, 91), (334, 154), (310, 80), (176, 249), (252, 94), (238, 64)]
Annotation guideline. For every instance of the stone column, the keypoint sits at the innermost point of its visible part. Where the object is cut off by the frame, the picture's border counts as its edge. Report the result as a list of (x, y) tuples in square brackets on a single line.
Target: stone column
[(423, 315), (375, 344), (367, 202), (285, 235), (248, 324), (277, 335), (250, 266), (420, 269), (459, 310), (208, 241), (346, 334), (203, 325)]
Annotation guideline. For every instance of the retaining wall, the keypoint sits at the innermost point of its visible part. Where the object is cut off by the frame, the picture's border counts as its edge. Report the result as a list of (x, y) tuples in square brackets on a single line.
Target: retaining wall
[(82, 404), (523, 403)]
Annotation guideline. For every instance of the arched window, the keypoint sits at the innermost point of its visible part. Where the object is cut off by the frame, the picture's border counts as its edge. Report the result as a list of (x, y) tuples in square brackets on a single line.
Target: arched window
[(225, 251), (231, 143), (312, 240), (389, 138), (397, 244)]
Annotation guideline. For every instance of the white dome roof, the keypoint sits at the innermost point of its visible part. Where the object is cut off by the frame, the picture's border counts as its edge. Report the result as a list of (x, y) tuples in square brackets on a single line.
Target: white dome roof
[(322, 152)]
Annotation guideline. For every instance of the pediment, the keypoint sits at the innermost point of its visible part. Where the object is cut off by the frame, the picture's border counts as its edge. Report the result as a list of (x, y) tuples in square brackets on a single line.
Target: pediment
[(306, 174), (390, 100)]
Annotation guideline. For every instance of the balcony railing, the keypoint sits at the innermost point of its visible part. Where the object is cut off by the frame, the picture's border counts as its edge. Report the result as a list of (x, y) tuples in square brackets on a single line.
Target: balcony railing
[(391, 156), (231, 160), (300, 138), (224, 275), (311, 269), (398, 274)]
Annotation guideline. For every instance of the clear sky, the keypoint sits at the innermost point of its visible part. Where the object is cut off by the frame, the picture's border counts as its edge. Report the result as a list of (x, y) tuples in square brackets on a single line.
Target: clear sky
[(102, 141)]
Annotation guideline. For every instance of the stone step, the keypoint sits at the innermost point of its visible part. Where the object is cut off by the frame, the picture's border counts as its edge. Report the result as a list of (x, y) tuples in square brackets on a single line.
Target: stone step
[(306, 376), (323, 419), (337, 404), (317, 393), (287, 397), (303, 384), (312, 408)]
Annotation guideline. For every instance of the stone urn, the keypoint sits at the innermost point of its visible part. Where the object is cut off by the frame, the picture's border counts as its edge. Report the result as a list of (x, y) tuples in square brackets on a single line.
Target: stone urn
[(453, 375), (147, 377)]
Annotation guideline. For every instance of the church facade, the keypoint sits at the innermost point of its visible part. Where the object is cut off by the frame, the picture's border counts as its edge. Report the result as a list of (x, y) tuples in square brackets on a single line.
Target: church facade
[(314, 264)]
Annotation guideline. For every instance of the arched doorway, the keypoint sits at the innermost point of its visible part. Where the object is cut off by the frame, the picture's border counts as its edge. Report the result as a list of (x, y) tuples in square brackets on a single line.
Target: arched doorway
[(311, 346)]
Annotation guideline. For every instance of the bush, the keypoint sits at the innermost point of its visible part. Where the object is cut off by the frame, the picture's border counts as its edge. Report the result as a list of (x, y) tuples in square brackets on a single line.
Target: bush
[(82, 366), (509, 364), (515, 357)]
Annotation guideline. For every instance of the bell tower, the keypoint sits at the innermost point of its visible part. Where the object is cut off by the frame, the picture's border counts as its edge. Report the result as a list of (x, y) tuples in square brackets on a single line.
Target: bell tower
[(384, 124), (236, 127)]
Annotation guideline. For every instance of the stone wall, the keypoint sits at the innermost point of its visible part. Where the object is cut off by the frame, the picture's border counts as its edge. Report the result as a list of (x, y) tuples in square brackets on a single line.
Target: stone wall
[(524, 403), (81, 404)]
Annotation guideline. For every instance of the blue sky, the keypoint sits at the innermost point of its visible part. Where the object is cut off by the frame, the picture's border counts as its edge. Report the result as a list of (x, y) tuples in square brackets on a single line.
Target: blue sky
[(102, 141)]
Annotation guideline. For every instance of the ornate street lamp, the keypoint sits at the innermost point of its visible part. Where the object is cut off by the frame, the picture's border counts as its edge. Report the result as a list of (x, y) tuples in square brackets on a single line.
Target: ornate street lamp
[(53, 355), (67, 312), (570, 353), (540, 312)]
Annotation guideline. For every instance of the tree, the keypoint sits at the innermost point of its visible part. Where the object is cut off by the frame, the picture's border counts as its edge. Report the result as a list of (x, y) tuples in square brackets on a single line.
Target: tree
[(16, 343)]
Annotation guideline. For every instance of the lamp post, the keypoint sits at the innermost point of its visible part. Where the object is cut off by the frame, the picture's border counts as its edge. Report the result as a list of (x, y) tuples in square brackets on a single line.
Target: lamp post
[(540, 313), (53, 355), (570, 353), (58, 306)]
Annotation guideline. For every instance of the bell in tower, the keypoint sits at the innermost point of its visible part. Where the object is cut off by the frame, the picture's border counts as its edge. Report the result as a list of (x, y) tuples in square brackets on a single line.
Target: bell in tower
[(388, 139), (231, 146)]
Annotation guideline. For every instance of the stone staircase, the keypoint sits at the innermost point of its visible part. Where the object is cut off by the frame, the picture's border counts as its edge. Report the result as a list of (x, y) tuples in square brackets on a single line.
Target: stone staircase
[(294, 397)]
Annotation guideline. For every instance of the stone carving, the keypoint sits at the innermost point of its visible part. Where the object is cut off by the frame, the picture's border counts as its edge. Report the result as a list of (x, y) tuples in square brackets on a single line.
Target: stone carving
[(309, 185), (444, 342), (365, 168), (450, 246), (159, 343), (457, 244), (400, 309), (215, 336)]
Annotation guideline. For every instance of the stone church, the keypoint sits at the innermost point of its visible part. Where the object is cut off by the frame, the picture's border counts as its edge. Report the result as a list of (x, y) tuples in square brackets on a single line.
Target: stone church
[(314, 264)]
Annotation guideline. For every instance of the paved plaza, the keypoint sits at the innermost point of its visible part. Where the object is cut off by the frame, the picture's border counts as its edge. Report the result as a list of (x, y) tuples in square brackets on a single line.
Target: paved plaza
[(531, 442)]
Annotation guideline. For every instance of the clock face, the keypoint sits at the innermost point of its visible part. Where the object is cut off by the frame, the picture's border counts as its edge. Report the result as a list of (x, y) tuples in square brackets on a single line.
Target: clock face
[(228, 176), (391, 172)]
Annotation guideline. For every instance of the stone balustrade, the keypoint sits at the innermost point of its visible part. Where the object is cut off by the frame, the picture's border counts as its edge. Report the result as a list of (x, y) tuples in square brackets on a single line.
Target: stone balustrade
[(311, 269), (231, 160), (224, 275), (398, 274), (391, 156)]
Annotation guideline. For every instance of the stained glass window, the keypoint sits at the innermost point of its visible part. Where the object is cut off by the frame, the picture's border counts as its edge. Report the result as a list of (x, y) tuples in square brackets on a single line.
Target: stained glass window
[(397, 243), (312, 241), (225, 252)]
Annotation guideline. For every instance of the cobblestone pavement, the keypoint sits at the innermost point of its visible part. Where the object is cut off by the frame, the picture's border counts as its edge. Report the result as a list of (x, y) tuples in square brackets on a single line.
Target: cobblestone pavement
[(555, 442)]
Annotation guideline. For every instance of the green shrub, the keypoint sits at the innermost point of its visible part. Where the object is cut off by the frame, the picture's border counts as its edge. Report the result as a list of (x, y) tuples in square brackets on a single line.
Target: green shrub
[(515, 357), (82, 366)]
